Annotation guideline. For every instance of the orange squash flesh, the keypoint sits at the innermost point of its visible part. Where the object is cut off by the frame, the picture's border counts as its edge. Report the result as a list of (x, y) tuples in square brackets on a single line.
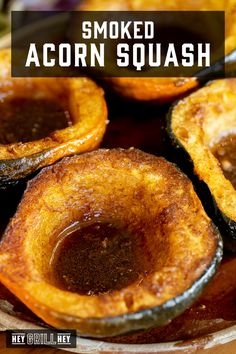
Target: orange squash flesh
[(164, 89), (173, 240), (203, 125), (85, 103)]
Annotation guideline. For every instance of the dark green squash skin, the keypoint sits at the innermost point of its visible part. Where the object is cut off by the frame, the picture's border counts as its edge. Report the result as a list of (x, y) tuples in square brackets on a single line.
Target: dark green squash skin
[(158, 316), (226, 226), (14, 175), (16, 171), (223, 68)]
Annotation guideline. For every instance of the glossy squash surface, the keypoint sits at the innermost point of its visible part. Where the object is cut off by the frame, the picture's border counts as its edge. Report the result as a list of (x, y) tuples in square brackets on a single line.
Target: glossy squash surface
[(161, 252), (204, 126), (80, 97)]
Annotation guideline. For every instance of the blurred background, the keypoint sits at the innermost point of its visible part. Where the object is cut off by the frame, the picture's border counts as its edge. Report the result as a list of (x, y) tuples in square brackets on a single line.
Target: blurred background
[(6, 6)]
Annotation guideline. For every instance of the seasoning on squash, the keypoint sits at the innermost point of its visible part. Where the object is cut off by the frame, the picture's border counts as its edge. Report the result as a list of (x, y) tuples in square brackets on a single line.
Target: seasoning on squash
[(132, 227)]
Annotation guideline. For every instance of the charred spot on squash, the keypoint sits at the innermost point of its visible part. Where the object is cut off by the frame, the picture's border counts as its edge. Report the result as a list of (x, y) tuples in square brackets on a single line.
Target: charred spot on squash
[(209, 118), (137, 208), (45, 119)]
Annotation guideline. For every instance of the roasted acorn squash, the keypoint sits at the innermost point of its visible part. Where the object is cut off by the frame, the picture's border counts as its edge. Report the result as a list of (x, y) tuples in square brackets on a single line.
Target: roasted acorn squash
[(204, 126), (109, 242), (164, 89), (80, 96)]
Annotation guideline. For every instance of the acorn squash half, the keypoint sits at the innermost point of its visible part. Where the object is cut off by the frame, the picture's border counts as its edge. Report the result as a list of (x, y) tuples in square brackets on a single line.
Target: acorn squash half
[(204, 126), (81, 97), (163, 89), (109, 242)]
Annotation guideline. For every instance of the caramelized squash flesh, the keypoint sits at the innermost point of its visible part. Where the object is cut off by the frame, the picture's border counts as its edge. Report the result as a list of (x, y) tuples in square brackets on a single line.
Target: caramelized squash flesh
[(76, 126), (109, 242), (204, 125)]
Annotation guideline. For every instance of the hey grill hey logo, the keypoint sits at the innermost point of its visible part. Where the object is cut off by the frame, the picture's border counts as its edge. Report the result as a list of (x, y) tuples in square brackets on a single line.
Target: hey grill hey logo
[(41, 338)]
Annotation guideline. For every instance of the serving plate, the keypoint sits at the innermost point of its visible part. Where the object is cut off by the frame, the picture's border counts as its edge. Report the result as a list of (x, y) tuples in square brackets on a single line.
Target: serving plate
[(141, 126)]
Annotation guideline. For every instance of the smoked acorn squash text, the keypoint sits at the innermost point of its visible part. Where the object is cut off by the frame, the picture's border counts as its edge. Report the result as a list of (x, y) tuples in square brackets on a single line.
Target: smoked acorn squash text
[(163, 89)]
